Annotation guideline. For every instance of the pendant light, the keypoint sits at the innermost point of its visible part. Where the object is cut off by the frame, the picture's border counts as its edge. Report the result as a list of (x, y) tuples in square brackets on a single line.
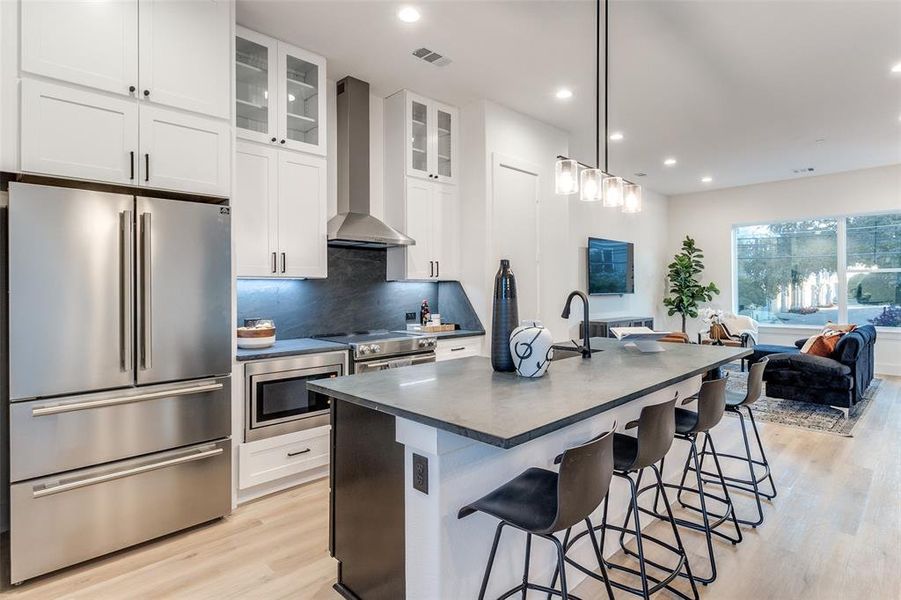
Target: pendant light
[(593, 183)]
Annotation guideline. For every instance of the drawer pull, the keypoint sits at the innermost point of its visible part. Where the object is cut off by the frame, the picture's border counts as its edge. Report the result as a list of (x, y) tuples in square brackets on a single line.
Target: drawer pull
[(55, 409), (74, 485), (458, 349), (304, 451)]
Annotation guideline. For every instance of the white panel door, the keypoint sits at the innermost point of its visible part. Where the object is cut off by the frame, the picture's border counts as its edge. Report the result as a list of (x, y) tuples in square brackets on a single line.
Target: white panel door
[(420, 256), (301, 100), (418, 141), (514, 220), (255, 210), (183, 152), (76, 133), (86, 42), (444, 142), (446, 232), (256, 86), (185, 54), (302, 212)]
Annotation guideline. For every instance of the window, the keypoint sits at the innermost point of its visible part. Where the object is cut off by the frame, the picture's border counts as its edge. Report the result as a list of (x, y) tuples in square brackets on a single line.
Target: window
[(792, 273)]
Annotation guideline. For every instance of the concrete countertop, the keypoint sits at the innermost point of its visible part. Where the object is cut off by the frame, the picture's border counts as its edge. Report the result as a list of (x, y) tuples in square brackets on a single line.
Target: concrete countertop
[(467, 397), (457, 333), (292, 347)]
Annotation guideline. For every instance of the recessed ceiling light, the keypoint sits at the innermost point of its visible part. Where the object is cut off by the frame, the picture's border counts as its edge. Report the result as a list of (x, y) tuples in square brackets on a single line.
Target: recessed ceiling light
[(897, 68), (408, 14), (706, 179), (564, 93), (616, 136), (669, 162)]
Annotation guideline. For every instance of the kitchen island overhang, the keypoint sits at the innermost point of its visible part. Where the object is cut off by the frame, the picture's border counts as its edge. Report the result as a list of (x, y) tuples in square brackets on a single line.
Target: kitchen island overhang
[(473, 429)]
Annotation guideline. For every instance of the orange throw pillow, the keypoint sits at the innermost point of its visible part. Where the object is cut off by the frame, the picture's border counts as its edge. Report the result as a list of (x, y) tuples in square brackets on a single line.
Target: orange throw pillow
[(823, 345)]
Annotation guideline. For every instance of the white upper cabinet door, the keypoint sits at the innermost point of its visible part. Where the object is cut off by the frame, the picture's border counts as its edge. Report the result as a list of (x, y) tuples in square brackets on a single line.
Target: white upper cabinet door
[(420, 256), (183, 152), (301, 102), (256, 86), (76, 133), (85, 42), (255, 210), (446, 232), (444, 138), (302, 215), (418, 139), (185, 54)]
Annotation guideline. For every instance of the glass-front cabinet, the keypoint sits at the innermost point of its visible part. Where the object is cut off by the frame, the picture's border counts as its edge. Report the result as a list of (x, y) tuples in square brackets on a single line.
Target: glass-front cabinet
[(279, 93), (431, 139)]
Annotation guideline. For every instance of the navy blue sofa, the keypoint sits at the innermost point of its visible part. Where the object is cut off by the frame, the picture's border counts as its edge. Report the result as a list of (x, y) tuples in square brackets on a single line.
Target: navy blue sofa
[(839, 380)]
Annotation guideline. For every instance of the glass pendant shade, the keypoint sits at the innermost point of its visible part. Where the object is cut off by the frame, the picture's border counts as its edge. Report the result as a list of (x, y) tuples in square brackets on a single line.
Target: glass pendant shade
[(566, 176), (590, 185), (613, 191), (631, 198)]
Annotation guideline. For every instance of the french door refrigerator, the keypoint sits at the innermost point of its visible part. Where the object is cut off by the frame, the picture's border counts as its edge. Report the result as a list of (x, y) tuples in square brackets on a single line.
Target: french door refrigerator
[(119, 363)]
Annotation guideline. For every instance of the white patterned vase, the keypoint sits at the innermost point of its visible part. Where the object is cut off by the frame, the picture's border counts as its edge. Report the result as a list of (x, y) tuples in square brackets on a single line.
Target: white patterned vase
[(530, 345)]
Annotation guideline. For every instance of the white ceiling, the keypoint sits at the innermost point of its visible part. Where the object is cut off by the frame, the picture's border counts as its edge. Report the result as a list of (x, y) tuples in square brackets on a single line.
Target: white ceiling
[(738, 90)]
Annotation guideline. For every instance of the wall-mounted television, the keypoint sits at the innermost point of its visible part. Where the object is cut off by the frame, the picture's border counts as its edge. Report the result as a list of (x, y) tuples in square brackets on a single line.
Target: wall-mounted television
[(611, 267)]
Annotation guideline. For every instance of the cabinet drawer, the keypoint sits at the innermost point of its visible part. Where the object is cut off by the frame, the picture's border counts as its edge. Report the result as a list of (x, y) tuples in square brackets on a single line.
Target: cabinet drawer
[(62, 520), (449, 349), (282, 456), (52, 436)]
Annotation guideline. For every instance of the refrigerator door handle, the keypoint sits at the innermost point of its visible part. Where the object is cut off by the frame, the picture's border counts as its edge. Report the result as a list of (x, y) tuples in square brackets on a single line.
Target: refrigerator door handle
[(74, 485), (146, 294), (126, 280), (55, 409)]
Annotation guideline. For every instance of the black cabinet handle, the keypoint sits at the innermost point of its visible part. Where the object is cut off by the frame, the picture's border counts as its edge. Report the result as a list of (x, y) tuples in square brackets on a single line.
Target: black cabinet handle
[(274, 139), (458, 349), (284, 262), (131, 88), (146, 92), (304, 451), (131, 161), (437, 268), (431, 268), (146, 167), (274, 263), (282, 142)]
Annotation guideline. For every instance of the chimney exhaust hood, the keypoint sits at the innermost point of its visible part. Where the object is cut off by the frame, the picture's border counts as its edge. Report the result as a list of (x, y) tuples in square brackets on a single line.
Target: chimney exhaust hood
[(354, 225)]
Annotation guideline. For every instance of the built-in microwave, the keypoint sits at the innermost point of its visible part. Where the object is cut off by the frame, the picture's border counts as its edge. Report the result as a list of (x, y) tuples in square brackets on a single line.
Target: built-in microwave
[(276, 397)]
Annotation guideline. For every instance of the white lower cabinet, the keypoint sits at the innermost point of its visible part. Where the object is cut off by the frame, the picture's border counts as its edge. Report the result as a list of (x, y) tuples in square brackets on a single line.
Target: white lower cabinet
[(280, 213), (184, 152), (283, 456), (451, 348), (75, 133)]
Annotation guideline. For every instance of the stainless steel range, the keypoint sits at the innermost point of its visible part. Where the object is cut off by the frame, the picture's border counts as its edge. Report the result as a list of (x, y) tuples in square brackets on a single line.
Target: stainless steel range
[(379, 350)]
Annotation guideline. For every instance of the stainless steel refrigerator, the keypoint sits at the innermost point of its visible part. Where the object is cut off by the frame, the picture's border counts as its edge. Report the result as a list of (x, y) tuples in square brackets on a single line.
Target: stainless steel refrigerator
[(119, 362)]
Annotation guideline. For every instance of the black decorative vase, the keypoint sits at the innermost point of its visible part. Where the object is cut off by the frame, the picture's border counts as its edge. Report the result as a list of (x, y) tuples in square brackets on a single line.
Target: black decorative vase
[(504, 318)]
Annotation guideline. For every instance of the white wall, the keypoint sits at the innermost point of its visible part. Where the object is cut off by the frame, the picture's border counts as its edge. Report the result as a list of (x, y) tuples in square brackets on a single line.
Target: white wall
[(708, 217), (565, 223)]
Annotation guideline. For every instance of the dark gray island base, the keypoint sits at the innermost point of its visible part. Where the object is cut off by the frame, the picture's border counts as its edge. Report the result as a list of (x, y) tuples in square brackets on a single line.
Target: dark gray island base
[(381, 420)]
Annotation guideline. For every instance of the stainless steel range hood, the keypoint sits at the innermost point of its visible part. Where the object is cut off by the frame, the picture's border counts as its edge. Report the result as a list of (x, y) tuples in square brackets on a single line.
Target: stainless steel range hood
[(354, 225)]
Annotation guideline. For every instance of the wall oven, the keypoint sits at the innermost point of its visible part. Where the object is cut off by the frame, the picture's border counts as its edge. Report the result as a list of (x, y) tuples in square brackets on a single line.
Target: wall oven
[(276, 397)]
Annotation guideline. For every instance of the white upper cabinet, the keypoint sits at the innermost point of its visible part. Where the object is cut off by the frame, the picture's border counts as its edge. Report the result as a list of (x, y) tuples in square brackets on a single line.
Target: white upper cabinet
[(280, 93), (80, 134), (184, 54), (85, 42), (280, 213), (431, 137), (184, 152)]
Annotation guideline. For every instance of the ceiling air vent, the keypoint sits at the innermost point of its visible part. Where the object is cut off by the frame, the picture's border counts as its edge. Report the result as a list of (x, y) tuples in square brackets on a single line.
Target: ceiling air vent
[(802, 170), (430, 56), (641, 174)]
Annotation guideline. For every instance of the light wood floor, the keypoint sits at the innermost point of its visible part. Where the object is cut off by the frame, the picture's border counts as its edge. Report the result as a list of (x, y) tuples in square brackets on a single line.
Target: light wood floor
[(834, 532)]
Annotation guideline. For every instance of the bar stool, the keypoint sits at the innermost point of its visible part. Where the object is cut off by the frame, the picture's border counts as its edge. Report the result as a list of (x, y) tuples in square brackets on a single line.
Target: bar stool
[(656, 428), (542, 503), (734, 403), (689, 425)]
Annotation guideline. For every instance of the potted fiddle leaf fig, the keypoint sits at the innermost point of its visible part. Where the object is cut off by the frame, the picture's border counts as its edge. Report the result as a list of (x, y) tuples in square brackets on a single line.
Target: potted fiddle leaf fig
[(685, 289)]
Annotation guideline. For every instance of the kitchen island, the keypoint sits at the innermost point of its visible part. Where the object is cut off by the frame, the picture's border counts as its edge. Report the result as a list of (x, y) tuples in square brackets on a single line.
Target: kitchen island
[(411, 446)]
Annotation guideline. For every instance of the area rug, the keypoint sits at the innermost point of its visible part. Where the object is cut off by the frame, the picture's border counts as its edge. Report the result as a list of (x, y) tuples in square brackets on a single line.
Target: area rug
[(803, 415)]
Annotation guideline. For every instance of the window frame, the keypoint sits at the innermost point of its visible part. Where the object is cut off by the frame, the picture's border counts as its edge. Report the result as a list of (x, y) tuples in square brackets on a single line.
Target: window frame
[(842, 270)]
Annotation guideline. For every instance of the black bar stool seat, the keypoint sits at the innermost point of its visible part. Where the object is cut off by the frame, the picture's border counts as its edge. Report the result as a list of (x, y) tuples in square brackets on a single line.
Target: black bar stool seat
[(540, 503)]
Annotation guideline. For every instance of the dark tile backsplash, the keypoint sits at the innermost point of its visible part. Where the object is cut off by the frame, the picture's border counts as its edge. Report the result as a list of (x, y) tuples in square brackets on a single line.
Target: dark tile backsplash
[(354, 297)]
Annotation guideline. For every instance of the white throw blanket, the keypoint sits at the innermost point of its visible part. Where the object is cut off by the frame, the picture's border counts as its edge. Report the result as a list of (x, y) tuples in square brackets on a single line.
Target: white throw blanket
[(739, 324)]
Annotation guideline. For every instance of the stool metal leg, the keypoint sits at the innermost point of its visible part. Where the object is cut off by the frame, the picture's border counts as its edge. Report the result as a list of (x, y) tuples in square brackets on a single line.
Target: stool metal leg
[(762, 454), (669, 511), (744, 435), (719, 470), (525, 569), (497, 539)]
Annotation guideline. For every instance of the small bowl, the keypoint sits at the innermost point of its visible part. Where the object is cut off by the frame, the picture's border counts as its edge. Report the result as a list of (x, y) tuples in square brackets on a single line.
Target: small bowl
[(251, 343)]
